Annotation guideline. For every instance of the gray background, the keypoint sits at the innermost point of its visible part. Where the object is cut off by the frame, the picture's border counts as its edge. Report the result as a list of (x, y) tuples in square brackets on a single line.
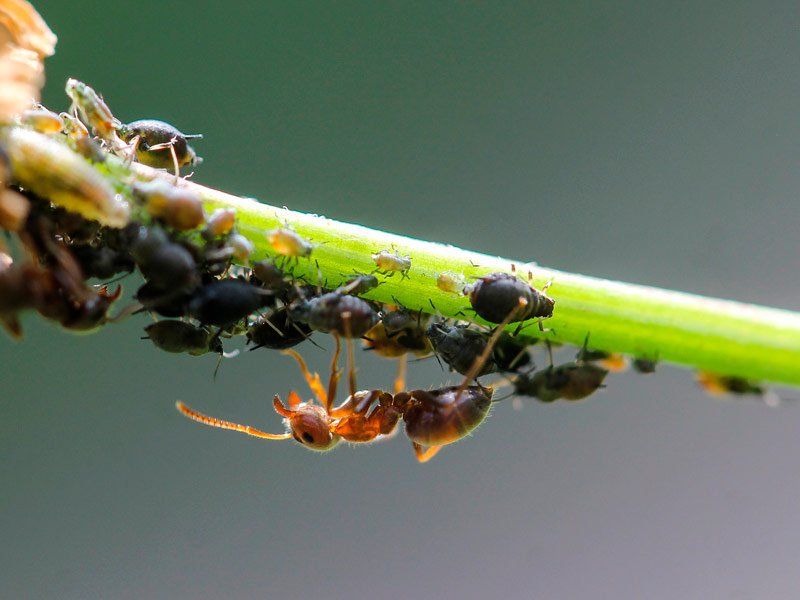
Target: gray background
[(651, 142)]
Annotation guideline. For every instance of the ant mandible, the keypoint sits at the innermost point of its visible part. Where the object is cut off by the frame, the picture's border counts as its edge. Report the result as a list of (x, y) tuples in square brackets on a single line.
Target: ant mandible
[(433, 418)]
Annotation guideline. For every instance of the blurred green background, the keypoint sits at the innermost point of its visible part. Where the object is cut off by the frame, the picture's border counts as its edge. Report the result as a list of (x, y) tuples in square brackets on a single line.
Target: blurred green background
[(647, 141)]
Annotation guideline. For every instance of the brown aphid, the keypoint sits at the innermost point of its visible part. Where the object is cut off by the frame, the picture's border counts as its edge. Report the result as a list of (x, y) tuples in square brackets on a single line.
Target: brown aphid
[(384, 341), (433, 418), (220, 223), (179, 207), (288, 243), (42, 120), (388, 263)]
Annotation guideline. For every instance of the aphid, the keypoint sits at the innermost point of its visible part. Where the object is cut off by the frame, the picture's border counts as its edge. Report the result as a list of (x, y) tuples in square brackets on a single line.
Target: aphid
[(51, 170), (358, 285), (610, 361), (14, 210), (88, 312), (644, 365), (73, 127), (182, 337), (450, 282), (21, 287), (166, 302), (720, 385), (276, 331), (494, 296), (42, 120), (388, 263), (101, 261), (227, 301), (346, 315), (432, 418), (570, 381), (241, 246), (288, 243), (158, 144), (220, 223), (168, 265), (178, 207), (511, 353), (459, 347), (398, 333), (95, 113)]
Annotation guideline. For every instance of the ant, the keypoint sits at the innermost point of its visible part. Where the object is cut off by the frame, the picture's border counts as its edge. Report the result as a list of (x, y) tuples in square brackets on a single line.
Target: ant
[(495, 295), (388, 263), (432, 418)]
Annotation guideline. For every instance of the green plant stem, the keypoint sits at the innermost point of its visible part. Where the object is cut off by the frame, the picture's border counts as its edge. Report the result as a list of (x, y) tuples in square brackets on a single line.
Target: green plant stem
[(721, 336)]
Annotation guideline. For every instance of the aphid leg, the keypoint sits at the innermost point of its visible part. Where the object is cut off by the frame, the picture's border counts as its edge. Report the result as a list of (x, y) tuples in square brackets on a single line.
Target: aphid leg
[(133, 146), (425, 454), (546, 286), (549, 352), (171, 145), (351, 363), (400, 378), (214, 422), (335, 374), (313, 381), (477, 366)]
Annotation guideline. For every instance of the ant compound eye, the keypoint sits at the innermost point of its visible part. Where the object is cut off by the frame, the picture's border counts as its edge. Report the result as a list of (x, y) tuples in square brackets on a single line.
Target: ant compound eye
[(308, 438)]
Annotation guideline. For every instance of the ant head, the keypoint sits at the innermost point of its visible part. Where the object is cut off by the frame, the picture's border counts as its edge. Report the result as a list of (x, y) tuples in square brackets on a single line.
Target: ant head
[(309, 425)]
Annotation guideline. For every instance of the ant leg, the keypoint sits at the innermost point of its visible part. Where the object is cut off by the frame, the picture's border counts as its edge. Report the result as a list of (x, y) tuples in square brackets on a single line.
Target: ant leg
[(214, 422), (479, 363), (425, 454), (335, 373), (351, 363), (313, 380), (400, 378)]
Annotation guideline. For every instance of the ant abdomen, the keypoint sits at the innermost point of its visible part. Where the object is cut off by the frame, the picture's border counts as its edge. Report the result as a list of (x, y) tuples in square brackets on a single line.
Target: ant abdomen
[(443, 416)]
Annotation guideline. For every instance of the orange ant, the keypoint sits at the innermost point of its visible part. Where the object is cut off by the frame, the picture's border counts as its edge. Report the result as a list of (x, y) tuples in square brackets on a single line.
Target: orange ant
[(433, 418)]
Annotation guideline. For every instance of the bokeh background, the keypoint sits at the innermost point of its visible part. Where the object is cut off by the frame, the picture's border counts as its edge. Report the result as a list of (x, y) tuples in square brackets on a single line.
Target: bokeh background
[(646, 141)]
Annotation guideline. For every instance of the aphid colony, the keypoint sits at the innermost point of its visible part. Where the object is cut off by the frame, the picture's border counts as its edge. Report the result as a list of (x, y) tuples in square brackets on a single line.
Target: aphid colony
[(203, 289)]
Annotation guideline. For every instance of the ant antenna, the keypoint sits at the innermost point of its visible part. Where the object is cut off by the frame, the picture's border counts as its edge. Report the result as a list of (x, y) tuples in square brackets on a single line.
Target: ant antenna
[(219, 423)]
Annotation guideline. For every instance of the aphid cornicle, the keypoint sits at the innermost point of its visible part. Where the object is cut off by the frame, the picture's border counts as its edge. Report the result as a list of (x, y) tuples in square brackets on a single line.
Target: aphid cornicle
[(158, 144), (432, 418), (495, 295), (346, 315), (388, 263)]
